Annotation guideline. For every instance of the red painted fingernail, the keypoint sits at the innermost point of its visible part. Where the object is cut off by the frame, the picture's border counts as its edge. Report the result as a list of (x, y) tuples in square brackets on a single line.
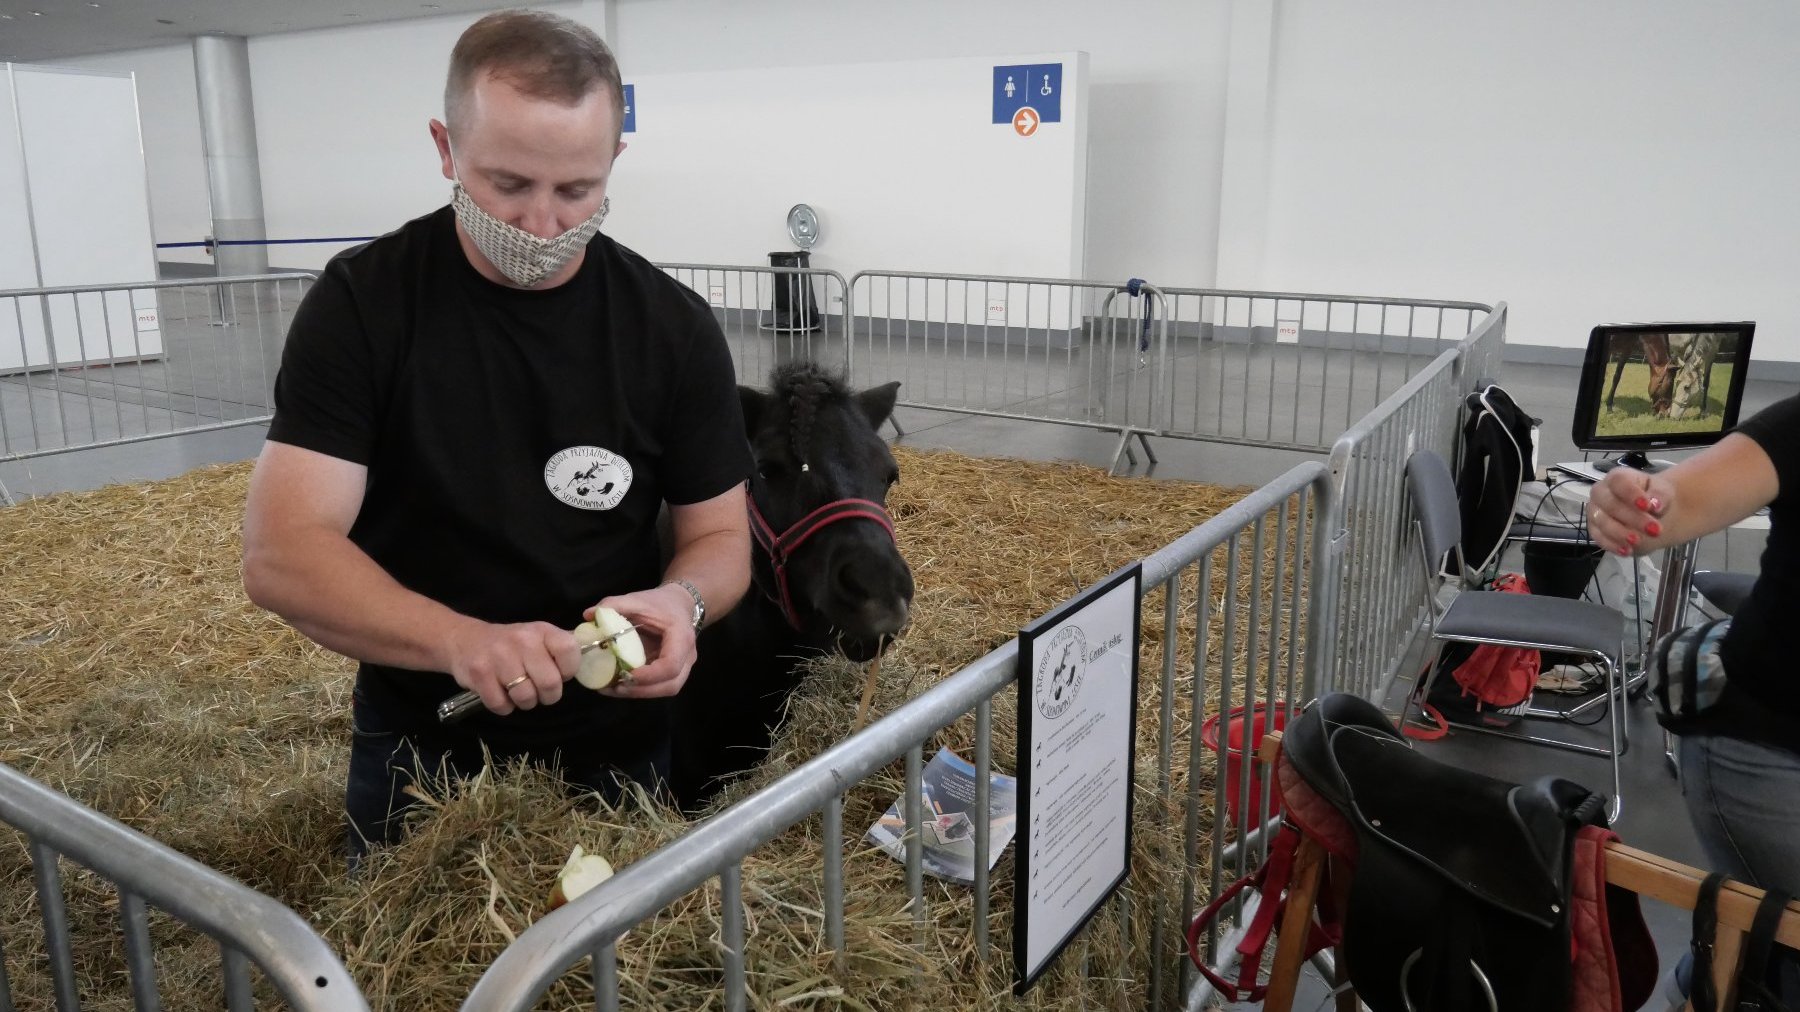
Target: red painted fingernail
[(1643, 503), (1654, 528), (1631, 539), (1624, 551)]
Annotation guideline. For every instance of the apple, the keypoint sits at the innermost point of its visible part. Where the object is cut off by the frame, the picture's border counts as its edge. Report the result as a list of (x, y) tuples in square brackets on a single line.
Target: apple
[(598, 665), (624, 649), (626, 645), (581, 872)]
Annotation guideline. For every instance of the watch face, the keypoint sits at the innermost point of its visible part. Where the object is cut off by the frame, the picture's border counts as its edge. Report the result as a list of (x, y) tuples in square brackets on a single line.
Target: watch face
[(803, 226)]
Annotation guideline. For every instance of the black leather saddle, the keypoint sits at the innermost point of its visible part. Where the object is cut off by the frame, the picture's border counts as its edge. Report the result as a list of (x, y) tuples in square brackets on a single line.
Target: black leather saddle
[(1460, 894)]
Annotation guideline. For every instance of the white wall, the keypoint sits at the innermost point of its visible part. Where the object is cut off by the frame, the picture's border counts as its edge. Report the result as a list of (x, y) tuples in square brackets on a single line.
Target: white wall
[(1156, 70), (341, 132), (1606, 161), (901, 160), (1616, 160), (169, 109)]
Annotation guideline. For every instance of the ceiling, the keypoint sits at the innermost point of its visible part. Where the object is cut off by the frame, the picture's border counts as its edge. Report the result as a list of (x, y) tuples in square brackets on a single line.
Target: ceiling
[(37, 30)]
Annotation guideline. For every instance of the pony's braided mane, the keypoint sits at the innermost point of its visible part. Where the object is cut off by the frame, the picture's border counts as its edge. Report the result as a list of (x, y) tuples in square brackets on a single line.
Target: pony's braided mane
[(804, 387)]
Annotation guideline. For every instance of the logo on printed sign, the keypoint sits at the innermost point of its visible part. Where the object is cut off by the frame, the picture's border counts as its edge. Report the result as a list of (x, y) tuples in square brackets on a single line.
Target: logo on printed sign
[(1025, 122), (147, 320), (588, 477), (1059, 673)]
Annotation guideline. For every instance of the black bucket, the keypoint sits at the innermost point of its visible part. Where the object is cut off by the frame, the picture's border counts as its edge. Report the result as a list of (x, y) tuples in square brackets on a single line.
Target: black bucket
[(1560, 568)]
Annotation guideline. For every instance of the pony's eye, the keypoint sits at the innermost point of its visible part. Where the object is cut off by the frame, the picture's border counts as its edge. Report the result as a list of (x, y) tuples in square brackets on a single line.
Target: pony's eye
[(893, 477), (771, 470)]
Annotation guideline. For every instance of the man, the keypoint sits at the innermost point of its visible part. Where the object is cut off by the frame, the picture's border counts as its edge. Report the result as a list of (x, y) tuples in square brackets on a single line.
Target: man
[(477, 420)]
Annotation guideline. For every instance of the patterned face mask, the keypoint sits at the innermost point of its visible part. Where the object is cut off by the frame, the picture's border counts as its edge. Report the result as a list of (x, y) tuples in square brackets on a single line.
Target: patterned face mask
[(524, 259)]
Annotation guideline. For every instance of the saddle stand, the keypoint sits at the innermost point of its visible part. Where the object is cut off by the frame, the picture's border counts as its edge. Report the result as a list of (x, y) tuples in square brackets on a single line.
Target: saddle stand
[(1437, 888)]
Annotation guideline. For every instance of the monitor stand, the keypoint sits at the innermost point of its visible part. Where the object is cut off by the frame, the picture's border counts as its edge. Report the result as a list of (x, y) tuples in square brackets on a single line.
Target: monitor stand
[(1634, 459)]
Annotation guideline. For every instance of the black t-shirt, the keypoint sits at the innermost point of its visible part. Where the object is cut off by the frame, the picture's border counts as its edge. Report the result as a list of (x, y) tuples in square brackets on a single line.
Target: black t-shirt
[(1758, 651), (519, 444)]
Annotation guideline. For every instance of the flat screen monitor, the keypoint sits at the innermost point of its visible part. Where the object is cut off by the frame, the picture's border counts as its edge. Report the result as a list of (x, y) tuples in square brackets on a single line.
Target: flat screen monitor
[(1660, 386)]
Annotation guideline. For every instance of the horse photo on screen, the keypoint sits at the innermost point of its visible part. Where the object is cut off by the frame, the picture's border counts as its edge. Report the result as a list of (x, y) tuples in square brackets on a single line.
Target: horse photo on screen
[(1670, 382)]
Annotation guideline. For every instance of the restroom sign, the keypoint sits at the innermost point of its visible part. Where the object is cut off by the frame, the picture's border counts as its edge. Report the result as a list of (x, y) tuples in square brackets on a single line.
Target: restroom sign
[(1032, 86), (630, 124)]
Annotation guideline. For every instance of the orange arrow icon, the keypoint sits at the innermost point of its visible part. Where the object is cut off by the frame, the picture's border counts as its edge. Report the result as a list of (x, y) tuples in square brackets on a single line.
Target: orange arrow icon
[(1025, 121)]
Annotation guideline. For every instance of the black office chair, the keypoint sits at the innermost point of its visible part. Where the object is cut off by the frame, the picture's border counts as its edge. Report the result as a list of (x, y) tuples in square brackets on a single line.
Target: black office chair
[(1726, 591), (1591, 631)]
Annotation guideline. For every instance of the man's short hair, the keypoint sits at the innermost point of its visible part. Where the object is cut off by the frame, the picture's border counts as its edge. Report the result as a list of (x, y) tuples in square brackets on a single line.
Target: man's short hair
[(543, 55)]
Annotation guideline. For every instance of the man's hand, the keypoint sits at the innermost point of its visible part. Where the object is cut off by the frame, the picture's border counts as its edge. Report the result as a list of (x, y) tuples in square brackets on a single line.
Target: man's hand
[(664, 621), (513, 666), (1625, 510)]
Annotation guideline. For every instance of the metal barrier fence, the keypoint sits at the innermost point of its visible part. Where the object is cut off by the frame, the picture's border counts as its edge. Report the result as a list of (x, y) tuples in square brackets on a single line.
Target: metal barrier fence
[(249, 927), (100, 365), (1041, 349), (1291, 371), (772, 315), (1239, 591), (1380, 584)]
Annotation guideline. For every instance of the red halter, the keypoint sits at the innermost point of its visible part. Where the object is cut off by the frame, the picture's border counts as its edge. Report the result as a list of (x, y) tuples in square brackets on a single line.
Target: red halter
[(781, 547)]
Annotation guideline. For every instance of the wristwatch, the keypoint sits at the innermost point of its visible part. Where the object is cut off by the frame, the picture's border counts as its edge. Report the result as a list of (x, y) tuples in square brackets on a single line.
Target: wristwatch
[(699, 602)]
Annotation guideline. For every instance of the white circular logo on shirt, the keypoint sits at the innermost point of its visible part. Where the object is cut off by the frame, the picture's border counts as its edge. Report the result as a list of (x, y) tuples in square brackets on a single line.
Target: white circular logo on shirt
[(588, 477)]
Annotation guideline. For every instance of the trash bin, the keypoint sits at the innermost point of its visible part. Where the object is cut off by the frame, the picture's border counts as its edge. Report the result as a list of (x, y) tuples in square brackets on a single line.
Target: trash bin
[(1560, 569), (795, 309)]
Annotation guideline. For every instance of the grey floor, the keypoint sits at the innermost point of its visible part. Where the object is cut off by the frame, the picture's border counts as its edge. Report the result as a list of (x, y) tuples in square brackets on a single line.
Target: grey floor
[(220, 353), (1223, 388)]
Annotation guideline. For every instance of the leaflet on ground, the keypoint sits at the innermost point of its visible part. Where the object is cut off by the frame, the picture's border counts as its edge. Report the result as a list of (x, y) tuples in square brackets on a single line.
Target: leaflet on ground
[(947, 813)]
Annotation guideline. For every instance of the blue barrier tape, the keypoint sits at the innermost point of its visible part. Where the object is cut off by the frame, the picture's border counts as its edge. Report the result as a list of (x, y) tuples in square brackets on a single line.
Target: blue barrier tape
[(264, 242)]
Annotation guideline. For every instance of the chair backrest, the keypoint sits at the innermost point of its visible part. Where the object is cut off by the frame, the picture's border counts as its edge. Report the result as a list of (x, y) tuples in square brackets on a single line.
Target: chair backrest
[(1433, 494)]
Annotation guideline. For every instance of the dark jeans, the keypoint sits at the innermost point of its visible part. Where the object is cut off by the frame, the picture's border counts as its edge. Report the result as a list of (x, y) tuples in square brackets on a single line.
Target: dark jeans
[(383, 762)]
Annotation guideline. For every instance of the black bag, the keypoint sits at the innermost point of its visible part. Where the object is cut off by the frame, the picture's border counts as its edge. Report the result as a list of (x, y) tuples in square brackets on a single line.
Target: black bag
[(1687, 673), (1498, 454)]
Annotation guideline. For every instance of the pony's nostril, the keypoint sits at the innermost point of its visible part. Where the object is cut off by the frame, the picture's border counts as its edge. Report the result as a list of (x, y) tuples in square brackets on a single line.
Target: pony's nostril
[(852, 584)]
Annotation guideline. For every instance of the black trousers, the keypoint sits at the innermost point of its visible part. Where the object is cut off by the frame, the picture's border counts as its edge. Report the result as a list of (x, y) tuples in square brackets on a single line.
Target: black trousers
[(384, 761)]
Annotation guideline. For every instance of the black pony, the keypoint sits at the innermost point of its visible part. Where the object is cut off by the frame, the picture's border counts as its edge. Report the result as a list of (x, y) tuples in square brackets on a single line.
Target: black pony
[(827, 575)]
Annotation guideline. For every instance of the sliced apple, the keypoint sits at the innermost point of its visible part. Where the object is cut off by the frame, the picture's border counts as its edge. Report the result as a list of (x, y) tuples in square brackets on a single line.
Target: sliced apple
[(597, 665), (627, 647), (581, 872)]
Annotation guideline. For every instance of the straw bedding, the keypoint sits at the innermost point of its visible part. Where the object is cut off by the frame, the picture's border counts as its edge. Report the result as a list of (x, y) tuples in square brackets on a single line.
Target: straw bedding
[(136, 677)]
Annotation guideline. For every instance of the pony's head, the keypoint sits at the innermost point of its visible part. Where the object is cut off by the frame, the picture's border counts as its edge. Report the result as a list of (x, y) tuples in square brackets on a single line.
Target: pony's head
[(826, 546)]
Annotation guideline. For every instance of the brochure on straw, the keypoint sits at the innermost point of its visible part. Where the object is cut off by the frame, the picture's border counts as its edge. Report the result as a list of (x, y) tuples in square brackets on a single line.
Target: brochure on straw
[(946, 816)]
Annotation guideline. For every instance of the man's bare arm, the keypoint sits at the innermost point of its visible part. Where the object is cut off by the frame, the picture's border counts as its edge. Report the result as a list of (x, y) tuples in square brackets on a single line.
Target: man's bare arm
[(300, 563)]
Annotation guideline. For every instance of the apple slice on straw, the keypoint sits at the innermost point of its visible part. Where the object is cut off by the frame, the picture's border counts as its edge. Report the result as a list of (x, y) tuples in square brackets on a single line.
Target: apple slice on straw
[(583, 871)]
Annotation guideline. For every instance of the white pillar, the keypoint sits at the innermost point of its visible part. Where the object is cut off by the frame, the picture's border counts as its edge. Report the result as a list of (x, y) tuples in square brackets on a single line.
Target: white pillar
[(228, 136), (1249, 132)]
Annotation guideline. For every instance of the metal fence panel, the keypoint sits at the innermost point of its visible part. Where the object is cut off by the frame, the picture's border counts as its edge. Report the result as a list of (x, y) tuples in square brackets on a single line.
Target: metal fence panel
[(1245, 607), (1080, 353), (772, 315), (99, 365), (1381, 583), (250, 927), (1291, 370)]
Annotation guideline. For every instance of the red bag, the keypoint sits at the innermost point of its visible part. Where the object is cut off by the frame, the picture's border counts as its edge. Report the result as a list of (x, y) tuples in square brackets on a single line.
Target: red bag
[(1492, 677)]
